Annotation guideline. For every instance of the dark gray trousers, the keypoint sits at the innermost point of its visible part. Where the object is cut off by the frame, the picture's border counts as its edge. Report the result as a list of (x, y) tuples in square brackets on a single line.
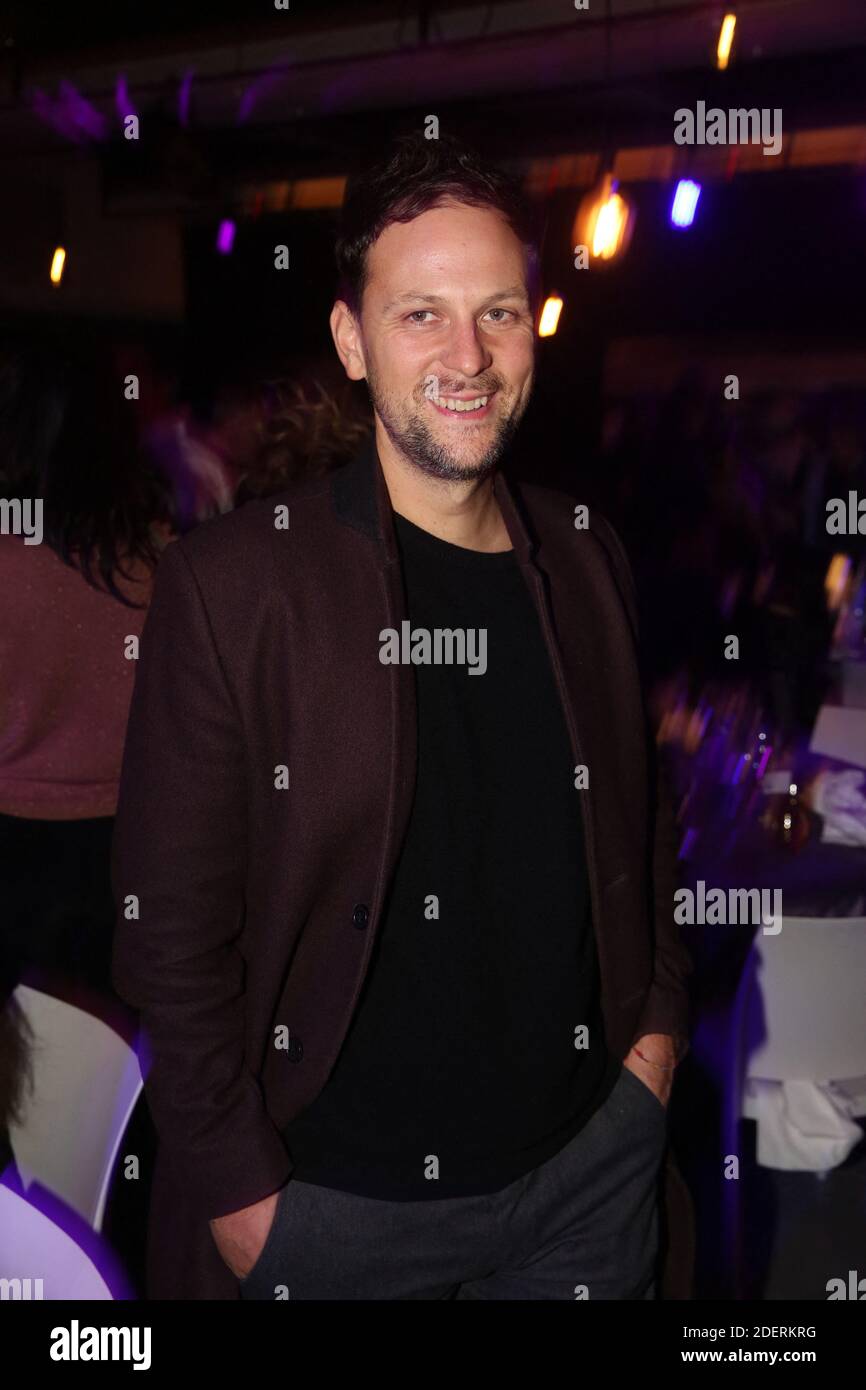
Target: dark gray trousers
[(582, 1225)]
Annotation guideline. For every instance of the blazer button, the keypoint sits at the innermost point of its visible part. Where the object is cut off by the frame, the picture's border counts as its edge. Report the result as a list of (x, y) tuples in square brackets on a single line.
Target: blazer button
[(361, 916), (295, 1049)]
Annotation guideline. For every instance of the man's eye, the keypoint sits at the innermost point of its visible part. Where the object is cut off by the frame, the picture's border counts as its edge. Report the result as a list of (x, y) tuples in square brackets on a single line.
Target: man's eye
[(415, 313), (507, 314)]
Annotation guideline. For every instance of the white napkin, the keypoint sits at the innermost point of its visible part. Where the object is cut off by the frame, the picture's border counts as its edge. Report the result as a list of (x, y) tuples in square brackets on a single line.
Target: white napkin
[(839, 799), (802, 1126)]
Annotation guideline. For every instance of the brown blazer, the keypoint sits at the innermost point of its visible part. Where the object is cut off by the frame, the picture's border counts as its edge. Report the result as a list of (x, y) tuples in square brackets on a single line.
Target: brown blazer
[(237, 897)]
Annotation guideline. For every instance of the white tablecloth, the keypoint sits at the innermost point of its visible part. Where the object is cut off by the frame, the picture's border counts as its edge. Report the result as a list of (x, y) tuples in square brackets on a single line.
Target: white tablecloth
[(803, 1126)]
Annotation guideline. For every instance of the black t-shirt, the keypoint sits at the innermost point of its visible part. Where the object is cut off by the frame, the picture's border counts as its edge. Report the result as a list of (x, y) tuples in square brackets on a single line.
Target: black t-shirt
[(460, 1071)]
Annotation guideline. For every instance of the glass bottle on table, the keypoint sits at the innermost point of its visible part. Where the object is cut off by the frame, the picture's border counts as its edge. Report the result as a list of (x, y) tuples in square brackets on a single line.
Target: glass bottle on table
[(785, 815)]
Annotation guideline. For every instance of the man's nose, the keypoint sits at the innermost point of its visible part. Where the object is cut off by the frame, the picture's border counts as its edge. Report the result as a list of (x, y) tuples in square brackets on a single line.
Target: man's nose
[(466, 354)]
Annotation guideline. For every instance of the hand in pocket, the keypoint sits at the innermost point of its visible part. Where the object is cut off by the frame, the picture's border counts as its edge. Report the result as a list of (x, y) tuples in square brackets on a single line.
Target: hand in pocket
[(241, 1235)]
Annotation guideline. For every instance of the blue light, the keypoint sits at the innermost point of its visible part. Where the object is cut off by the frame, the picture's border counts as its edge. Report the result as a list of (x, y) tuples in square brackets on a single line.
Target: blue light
[(685, 202)]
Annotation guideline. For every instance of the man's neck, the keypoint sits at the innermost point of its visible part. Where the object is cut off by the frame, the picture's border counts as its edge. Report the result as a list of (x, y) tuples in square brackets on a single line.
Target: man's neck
[(463, 513)]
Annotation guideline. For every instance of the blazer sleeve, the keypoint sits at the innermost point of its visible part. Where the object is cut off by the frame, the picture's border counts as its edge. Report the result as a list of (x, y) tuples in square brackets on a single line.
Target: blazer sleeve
[(666, 1008), (178, 873)]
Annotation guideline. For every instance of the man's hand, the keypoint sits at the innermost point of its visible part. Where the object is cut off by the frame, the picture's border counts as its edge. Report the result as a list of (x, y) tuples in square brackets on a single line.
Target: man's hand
[(240, 1237), (659, 1048)]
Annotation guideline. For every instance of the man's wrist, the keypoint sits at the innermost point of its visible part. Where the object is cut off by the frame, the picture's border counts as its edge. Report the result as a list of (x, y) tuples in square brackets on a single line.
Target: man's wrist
[(660, 1050)]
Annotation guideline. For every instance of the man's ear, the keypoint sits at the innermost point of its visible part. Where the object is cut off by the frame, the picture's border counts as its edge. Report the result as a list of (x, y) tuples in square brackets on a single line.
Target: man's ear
[(347, 340)]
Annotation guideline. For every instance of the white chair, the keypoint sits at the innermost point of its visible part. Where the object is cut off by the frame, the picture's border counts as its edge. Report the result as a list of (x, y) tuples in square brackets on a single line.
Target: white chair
[(38, 1260), (811, 979), (800, 1038), (86, 1081)]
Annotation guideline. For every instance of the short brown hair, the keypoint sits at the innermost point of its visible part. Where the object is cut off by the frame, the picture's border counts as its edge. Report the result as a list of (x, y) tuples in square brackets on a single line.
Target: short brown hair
[(419, 174)]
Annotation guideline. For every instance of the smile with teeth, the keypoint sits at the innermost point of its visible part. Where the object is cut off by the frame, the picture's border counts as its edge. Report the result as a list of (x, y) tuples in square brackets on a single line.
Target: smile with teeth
[(449, 403)]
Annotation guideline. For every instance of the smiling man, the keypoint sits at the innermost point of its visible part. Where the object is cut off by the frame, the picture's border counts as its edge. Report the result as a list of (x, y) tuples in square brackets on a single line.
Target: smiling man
[(449, 367), (403, 940)]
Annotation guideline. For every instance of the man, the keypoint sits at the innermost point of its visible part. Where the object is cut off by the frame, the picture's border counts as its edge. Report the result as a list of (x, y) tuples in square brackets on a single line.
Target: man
[(395, 884)]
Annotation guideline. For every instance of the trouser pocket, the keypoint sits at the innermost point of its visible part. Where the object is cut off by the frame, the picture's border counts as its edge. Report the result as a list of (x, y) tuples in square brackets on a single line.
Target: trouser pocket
[(646, 1101), (271, 1242)]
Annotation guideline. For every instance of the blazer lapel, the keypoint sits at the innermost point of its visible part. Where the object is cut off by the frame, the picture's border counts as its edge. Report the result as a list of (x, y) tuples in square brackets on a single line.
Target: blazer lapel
[(570, 695), (361, 501)]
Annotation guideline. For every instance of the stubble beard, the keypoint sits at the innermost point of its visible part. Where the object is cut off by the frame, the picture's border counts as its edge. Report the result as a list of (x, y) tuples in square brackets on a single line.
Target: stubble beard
[(413, 437)]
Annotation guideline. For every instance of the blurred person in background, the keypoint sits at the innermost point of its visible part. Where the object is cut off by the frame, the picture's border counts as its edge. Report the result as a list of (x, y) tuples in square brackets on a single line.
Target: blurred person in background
[(307, 431), (787, 630), (208, 440), (69, 607), (837, 466)]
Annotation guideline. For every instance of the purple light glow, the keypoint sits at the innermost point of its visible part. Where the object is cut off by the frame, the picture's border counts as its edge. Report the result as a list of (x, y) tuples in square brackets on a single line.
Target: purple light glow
[(122, 99), (766, 755), (225, 237), (81, 113), (184, 96), (69, 114), (689, 839), (260, 88)]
